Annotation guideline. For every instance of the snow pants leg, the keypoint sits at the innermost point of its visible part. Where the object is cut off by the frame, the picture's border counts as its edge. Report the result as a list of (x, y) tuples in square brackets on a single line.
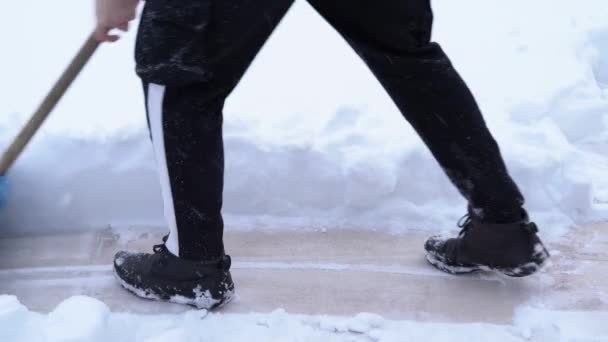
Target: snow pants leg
[(394, 40), (191, 54)]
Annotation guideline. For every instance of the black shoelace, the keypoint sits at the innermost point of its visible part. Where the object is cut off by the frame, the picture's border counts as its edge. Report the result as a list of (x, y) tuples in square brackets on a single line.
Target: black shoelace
[(464, 223), (161, 247)]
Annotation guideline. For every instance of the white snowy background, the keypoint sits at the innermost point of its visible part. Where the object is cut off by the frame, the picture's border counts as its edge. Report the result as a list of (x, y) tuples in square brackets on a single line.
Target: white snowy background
[(312, 141)]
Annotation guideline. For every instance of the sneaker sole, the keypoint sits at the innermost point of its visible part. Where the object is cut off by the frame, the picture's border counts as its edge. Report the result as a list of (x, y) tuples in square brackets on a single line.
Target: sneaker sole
[(539, 260), (456, 270), (207, 303)]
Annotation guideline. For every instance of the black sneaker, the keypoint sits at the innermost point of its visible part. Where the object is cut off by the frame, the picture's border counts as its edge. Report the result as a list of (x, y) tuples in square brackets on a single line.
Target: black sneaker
[(513, 249), (163, 276)]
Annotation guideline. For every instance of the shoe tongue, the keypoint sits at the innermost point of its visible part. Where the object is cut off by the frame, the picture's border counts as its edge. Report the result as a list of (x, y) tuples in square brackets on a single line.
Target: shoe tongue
[(475, 213)]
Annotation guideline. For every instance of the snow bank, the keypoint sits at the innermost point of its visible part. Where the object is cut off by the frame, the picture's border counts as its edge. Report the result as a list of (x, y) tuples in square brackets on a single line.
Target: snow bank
[(311, 138), (76, 319), (87, 319)]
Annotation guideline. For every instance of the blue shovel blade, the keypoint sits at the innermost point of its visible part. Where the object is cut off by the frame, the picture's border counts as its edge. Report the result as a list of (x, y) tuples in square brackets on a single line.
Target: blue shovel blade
[(3, 190)]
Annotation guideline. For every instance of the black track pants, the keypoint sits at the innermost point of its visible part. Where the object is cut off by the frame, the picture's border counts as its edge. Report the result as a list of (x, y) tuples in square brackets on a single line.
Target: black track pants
[(191, 54)]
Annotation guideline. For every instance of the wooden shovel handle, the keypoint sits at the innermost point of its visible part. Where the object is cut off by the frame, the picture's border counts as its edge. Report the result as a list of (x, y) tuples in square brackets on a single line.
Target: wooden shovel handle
[(47, 105)]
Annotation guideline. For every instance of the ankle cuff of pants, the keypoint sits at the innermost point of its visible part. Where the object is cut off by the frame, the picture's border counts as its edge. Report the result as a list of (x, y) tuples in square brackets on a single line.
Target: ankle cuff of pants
[(499, 213)]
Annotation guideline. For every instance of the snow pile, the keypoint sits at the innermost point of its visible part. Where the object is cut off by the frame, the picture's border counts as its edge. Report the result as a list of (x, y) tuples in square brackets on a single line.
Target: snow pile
[(312, 140), (77, 319), (86, 319)]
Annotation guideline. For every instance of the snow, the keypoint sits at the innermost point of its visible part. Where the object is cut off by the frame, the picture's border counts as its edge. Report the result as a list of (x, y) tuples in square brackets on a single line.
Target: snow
[(312, 140), (86, 319), (77, 319)]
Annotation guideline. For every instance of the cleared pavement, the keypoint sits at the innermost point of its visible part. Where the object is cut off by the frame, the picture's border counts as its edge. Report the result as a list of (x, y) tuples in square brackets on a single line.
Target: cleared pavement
[(339, 272)]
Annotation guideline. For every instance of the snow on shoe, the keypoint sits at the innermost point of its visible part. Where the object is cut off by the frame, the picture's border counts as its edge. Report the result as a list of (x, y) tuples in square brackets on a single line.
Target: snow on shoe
[(513, 249), (163, 276)]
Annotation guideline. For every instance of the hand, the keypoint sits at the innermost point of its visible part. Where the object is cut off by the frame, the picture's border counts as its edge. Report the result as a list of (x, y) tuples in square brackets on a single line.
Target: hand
[(113, 14)]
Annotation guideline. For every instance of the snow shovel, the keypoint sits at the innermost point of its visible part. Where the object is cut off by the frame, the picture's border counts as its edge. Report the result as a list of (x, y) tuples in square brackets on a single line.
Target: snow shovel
[(43, 111)]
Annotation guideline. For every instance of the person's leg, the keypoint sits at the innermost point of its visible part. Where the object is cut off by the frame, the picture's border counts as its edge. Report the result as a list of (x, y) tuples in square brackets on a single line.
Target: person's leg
[(190, 55), (394, 39)]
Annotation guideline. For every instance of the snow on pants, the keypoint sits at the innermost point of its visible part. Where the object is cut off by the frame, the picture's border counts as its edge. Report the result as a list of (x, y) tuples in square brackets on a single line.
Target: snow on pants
[(191, 54)]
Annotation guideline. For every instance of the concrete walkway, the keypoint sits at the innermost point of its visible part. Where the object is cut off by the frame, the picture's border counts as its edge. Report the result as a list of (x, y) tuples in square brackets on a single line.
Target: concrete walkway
[(336, 272)]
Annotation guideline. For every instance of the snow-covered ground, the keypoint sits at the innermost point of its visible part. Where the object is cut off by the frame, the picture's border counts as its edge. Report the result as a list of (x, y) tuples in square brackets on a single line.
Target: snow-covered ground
[(86, 319), (312, 140)]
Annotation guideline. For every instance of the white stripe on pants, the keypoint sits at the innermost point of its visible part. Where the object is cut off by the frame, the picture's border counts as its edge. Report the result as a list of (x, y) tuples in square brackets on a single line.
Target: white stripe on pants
[(156, 94)]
